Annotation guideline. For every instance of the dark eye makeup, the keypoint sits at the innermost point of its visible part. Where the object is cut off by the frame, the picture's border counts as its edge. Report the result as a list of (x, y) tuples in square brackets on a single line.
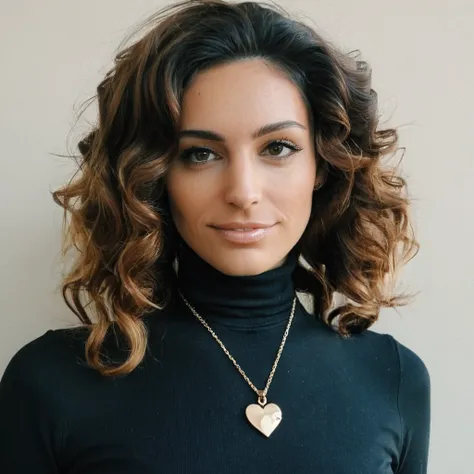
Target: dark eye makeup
[(199, 155)]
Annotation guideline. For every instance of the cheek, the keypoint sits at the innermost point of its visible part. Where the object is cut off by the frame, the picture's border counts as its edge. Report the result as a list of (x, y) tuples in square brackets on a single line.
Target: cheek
[(176, 195), (296, 202), (186, 196), (295, 196)]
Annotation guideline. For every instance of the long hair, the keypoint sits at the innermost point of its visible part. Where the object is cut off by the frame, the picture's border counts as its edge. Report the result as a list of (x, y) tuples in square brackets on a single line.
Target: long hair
[(359, 231)]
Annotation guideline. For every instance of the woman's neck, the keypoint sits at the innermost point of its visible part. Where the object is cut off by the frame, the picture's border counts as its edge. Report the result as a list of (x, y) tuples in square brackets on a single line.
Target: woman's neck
[(236, 301)]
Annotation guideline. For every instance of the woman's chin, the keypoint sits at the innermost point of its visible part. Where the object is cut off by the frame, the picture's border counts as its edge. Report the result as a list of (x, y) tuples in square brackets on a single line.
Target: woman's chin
[(245, 262)]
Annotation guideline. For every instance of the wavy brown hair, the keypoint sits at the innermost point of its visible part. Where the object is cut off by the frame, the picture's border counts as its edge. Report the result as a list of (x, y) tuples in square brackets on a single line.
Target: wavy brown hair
[(358, 234)]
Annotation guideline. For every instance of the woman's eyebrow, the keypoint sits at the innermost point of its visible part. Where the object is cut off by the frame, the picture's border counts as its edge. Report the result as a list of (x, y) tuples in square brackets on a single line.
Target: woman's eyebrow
[(266, 129)]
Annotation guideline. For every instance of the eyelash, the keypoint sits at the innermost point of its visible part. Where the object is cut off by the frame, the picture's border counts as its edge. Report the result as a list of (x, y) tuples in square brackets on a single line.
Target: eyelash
[(186, 154)]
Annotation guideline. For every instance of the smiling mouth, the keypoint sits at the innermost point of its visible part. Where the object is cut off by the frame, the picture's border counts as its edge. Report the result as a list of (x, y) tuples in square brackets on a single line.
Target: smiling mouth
[(243, 226), (244, 235)]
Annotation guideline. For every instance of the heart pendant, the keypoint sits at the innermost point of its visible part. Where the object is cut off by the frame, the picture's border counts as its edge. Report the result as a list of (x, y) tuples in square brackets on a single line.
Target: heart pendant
[(265, 419)]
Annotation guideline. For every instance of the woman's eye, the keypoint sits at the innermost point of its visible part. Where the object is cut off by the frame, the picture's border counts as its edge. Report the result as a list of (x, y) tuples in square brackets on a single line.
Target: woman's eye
[(201, 155), (275, 148), (196, 155)]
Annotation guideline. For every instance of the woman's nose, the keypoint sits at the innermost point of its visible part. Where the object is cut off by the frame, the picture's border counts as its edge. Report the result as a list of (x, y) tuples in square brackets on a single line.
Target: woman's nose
[(243, 183)]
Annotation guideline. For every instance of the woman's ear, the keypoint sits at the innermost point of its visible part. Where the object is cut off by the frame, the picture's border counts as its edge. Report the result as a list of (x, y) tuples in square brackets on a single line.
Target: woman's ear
[(320, 178)]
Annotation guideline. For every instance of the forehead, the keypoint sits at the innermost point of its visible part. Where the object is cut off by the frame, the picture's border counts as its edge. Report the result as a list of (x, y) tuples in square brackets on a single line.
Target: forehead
[(240, 97)]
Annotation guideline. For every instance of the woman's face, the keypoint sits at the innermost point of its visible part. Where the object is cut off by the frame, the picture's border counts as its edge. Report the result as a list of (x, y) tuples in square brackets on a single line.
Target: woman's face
[(241, 187)]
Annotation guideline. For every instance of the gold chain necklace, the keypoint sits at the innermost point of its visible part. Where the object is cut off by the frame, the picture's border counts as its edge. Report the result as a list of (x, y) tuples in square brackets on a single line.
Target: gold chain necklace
[(265, 418)]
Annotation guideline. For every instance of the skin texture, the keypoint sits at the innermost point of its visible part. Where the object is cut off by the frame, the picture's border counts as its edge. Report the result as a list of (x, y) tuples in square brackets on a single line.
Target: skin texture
[(242, 178)]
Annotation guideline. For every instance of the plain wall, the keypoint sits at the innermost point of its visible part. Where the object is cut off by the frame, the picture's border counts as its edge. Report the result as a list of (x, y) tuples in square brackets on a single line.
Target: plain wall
[(52, 56)]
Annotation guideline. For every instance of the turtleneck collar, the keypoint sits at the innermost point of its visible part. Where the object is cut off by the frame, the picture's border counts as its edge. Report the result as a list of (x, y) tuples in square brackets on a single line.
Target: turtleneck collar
[(236, 301)]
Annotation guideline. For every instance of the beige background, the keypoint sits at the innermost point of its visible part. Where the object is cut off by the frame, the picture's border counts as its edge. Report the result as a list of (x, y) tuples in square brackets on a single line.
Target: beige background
[(52, 55)]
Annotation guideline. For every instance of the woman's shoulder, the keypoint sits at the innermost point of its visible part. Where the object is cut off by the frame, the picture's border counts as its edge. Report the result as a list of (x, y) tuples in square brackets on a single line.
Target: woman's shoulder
[(388, 344), (383, 353), (383, 349), (60, 354), (46, 356), (38, 372), (411, 365), (402, 363)]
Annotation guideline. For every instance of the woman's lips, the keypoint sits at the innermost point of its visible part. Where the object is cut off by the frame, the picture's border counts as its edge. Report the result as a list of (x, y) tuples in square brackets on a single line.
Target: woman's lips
[(244, 235)]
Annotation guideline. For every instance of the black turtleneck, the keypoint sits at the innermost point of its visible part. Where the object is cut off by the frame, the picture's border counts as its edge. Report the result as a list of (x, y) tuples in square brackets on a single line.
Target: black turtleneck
[(240, 302), (350, 406)]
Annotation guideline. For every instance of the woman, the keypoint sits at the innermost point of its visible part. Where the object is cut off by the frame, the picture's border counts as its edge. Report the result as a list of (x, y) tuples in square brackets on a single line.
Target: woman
[(236, 160)]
